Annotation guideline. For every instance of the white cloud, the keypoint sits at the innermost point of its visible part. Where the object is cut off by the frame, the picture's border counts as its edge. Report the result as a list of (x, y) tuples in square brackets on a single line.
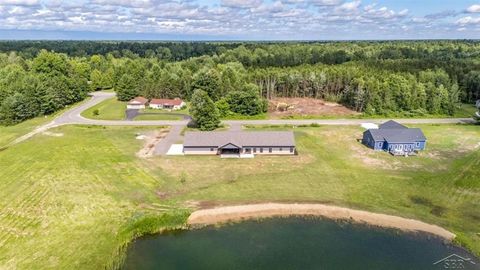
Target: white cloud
[(264, 18), (242, 3), (468, 20), (325, 2), (348, 7), (473, 9), (19, 2)]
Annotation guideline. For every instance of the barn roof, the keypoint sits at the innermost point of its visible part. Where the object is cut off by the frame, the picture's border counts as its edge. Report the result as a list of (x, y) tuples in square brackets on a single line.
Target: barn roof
[(394, 132), (392, 125), (239, 138), (398, 135)]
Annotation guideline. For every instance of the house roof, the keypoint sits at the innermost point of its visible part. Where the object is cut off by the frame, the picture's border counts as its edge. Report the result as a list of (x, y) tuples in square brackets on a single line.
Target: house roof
[(392, 125), (239, 138), (172, 102), (138, 101), (398, 135), (394, 132)]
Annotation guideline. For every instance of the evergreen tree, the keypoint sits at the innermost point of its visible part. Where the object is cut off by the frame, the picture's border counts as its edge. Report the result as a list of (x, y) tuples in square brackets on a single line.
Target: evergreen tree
[(126, 88), (203, 111)]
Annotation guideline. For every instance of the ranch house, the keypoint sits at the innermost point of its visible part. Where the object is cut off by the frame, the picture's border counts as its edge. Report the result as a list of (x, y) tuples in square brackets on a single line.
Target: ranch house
[(395, 138), (169, 104), (239, 143), (137, 103)]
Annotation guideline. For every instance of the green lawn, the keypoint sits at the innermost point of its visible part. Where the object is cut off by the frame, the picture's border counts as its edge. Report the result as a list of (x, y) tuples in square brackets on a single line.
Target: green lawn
[(110, 109), (10, 133), (465, 110), (72, 201)]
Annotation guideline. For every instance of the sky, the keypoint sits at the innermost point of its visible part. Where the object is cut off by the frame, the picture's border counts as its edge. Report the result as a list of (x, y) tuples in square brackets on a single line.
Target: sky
[(239, 19)]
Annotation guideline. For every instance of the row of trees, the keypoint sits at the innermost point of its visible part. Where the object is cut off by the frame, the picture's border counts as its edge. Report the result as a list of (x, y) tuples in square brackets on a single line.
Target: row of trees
[(172, 51), (370, 77), (40, 86)]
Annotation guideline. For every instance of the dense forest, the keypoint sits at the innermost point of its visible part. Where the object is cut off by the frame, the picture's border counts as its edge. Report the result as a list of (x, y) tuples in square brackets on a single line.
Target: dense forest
[(376, 78)]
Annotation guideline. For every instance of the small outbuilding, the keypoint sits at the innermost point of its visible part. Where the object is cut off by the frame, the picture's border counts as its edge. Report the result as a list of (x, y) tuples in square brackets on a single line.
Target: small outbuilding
[(395, 138), (239, 143), (137, 103), (170, 104)]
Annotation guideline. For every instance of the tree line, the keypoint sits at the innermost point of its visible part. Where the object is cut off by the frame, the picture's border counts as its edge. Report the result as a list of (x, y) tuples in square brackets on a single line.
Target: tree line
[(378, 78)]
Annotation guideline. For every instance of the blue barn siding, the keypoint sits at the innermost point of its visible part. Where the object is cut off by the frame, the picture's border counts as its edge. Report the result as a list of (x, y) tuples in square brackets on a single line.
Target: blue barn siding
[(422, 145), (379, 145), (368, 139), (385, 146)]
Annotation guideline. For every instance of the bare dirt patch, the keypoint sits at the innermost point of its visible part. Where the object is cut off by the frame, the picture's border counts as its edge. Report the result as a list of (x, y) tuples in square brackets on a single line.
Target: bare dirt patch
[(304, 107), (52, 134), (151, 140), (240, 212)]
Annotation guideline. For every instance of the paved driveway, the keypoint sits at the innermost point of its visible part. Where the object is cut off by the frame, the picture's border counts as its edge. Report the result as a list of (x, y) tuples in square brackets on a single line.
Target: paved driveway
[(73, 116), (173, 137), (130, 114)]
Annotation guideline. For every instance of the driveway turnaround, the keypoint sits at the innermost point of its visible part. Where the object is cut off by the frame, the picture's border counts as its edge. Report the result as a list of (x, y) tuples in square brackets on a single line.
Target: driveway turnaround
[(73, 117)]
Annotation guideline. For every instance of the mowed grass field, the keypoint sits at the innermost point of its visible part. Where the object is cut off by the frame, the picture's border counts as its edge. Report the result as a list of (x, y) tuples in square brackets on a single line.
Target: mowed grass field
[(110, 109), (70, 202)]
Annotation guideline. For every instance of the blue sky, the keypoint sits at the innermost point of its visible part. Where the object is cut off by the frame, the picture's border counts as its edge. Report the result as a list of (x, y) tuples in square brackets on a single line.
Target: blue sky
[(240, 19)]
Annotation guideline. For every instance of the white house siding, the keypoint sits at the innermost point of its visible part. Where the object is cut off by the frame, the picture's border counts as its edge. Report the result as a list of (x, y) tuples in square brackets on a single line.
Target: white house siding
[(275, 151), (199, 151), (266, 151), (156, 106), (178, 107), (136, 107)]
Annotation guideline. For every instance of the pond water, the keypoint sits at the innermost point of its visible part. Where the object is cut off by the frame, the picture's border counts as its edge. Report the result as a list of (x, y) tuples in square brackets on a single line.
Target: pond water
[(294, 243)]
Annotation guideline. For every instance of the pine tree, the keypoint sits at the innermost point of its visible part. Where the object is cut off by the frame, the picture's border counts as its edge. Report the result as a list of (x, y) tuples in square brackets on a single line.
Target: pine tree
[(204, 112)]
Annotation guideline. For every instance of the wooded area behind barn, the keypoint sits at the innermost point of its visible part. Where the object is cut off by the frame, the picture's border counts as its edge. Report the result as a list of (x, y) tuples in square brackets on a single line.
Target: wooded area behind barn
[(375, 78)]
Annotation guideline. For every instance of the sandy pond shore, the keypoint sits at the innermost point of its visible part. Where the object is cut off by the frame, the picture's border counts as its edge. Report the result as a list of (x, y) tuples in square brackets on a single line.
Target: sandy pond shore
[(252, 211)]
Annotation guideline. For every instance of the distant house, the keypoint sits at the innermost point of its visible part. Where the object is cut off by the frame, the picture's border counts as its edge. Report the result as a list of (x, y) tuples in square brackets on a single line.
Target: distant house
[(395, 138), (239, 143), (137, 103), (171, 104)]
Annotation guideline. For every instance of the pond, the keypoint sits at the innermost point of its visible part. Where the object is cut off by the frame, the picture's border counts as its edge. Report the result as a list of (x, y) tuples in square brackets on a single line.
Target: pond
[(294, 243)]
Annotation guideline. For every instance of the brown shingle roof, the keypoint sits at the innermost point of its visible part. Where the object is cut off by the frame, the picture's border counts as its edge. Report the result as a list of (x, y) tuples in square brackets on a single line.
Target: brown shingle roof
[(138, 101), (171, 102), (239, 138)]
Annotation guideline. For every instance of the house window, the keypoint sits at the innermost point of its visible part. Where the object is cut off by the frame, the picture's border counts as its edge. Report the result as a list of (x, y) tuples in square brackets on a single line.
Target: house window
[(211, 149), (270, 150), (418, 144), (291, 149), (261, 149), (254, 150), (281, 149)]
